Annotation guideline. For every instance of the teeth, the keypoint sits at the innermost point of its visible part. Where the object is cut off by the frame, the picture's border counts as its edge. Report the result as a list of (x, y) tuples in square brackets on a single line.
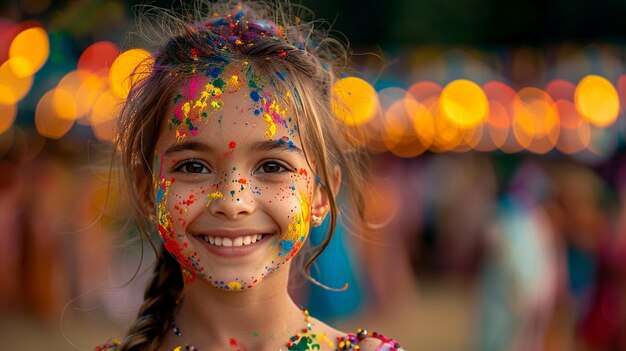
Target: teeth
[(227, 242), (238, 241)]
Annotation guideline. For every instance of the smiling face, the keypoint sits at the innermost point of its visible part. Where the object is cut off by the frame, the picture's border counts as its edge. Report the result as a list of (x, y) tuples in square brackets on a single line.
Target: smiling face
[(233, 189)]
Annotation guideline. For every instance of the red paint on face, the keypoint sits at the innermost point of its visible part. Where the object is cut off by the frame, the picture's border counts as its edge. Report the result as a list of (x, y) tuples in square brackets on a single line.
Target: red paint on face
[(242, 181), (232, 144)]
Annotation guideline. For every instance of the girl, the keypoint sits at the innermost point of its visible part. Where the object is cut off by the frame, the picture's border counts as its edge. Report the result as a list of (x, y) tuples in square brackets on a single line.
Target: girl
[(233, 153)]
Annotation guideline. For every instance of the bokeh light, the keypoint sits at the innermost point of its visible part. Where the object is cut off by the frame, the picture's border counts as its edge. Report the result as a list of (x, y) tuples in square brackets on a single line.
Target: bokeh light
[(13, 87), (98, 57), (464, 103), (535, 120), (103, 115), (597, 100), (47, 121), (7, 116), (129, 67), (29, 51), (354, 100)]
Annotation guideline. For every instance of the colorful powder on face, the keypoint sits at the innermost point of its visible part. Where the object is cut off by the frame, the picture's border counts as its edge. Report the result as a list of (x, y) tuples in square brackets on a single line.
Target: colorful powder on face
[(232, 145), (254, 95), (164, 225), (198, 99), (271, 126), (286, 246), (234, 286), (213, 196)]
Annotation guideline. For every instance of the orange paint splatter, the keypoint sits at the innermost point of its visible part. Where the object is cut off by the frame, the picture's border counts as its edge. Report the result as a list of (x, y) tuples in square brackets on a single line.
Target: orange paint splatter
[(242, 181), (303, 172)]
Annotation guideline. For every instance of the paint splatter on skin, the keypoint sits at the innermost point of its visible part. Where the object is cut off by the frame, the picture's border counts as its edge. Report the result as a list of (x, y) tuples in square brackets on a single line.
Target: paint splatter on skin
[(212, 196), (168, 237), (256, 115), (298, 230)]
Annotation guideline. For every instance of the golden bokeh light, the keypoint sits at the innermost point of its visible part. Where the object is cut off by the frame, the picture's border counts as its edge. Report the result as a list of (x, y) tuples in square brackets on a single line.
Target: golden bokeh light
[(47, 121), (448, 136), (64, 104), (104, 114), (7, 116), (129, 67), (12, 86), (354, 101), (29, 51), (422, 118), (535, 121), (400, 134), (464, 103), (84, 87), (597, 100)]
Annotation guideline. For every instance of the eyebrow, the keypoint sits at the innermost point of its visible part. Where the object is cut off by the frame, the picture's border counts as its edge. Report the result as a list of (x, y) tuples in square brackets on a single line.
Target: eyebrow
[(265, 145), (270, 145), (187, 146)]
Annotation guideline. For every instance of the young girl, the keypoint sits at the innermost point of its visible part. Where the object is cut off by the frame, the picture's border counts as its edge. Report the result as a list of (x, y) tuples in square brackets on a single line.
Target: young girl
[(233, 153)]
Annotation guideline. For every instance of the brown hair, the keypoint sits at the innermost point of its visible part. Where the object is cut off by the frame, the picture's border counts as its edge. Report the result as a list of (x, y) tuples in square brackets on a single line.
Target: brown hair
[(274, 40)]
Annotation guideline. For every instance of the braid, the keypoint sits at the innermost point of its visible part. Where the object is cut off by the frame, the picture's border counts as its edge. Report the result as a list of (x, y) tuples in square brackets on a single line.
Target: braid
[(157, 312)]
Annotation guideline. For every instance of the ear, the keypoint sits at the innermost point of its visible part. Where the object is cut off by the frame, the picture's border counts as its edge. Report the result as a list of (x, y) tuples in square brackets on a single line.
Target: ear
[(320, 204)]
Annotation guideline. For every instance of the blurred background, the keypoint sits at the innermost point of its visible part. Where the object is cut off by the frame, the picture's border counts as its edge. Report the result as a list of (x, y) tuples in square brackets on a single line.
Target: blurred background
[(497, 131)]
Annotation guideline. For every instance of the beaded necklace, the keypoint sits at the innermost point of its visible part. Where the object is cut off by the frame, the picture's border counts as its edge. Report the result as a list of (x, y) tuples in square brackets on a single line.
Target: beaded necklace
[(303, 341)]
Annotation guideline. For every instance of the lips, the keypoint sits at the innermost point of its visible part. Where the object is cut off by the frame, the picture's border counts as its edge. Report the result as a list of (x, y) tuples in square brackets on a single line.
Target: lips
[(232, 243)]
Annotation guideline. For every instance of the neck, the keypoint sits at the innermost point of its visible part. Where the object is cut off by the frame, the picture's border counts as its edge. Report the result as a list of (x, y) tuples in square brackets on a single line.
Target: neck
[(256, 317)]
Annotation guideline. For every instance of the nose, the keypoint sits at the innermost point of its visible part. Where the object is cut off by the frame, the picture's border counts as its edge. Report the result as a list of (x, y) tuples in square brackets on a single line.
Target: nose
[(232, 200)]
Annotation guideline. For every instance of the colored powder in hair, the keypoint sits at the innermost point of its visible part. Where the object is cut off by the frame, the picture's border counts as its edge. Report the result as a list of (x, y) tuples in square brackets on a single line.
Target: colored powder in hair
[(254, 95), (214, 72)]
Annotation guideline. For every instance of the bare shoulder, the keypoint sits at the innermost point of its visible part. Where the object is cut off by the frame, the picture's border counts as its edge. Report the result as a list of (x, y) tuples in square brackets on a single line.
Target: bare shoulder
[(361, 340)]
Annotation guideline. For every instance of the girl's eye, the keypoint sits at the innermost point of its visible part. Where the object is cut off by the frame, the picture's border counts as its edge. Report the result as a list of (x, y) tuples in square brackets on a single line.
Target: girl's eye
[(192, 167), (271, 167)]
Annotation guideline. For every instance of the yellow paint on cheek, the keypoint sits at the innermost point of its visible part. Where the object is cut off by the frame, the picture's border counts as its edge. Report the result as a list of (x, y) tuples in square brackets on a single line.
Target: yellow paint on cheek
[(299, 227), (212, 196), (216, 105), (271, 126), (234, 286)]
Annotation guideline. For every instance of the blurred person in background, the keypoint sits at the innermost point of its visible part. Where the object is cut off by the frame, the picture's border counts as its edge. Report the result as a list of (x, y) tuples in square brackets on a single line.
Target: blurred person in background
[(518, 284)]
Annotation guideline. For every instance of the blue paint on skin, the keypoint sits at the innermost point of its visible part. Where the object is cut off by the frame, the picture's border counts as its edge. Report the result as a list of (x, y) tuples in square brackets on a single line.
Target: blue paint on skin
[(286, 246), (254, 95)]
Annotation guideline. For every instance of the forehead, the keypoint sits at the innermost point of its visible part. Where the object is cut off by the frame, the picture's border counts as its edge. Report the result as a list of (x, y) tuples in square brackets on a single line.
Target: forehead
[(235, 95)]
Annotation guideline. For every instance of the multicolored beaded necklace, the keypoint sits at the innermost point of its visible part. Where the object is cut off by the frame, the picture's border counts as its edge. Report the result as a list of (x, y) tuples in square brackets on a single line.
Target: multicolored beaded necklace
[(303, 341)]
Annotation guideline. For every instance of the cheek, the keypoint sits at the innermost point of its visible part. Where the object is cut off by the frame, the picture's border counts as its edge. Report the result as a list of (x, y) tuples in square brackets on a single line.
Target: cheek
[(295, 229)]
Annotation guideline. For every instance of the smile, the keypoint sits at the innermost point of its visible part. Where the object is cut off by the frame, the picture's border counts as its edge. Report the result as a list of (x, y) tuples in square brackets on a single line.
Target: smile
[(228, 242)]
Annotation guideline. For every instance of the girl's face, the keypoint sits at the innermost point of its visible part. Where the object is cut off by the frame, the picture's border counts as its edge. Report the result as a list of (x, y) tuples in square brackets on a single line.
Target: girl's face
[(234, 192)]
